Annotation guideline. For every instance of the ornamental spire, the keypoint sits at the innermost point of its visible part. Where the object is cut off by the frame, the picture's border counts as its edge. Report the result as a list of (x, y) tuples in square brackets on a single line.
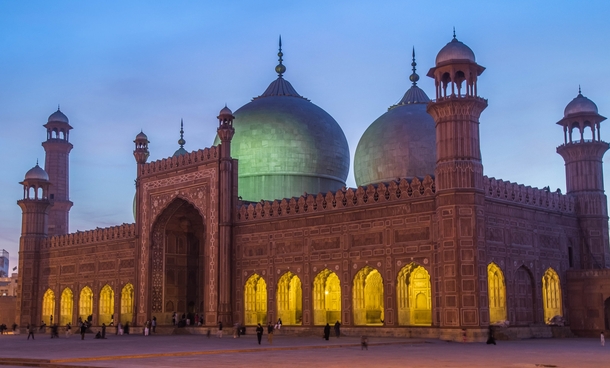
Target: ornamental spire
[(181, 141), (454, 33), (414, 77), (280, 69)]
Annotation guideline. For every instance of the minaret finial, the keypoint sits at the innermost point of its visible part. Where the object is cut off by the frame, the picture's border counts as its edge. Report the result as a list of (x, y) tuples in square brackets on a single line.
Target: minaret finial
[(57, 107), (454, 33), (579, 92), (181, 141), (414, 77), (280, 69), (36, 162)]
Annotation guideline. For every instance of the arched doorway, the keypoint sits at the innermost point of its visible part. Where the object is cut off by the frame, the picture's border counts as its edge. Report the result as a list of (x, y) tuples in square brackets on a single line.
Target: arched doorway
[(290, 299), (106, 311), (326, 298), (85, 303), (66, 307), (607, 314), (496, 290), (524, 297), (551, 295), (255, 299), (127, 304), (367, 296), (178, 255), (48, 307), (414, 296)]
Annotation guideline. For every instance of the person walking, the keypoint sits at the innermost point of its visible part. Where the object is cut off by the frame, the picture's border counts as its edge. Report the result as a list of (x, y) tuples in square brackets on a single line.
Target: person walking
[(491, 339), (174, 319), (31, 329), (103, 330), (83, 329), (68, 330), (270, 333), (154, 324), (279, 323), (337, 329), (602, 339), (259, 333), (326, 331), (220, 329), (364, 343)]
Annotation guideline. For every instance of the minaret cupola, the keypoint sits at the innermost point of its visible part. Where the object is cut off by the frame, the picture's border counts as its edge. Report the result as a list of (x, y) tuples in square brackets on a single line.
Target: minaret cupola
[(141, 151)]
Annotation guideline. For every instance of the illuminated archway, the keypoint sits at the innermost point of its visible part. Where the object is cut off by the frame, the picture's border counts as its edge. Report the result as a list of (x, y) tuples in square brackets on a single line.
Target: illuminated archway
[(326, 298), (414, 296), (290, 299), (367, 295), (66, 307), (551, 295), (127, 304), (255, 299), (496, 290), (48, 306), (85, 303), (106, 310)]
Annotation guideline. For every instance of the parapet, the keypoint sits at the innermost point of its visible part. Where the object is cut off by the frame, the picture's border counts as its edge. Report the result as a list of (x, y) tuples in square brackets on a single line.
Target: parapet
[(119, 232), (526, 195), (210, 154), (343, 198)]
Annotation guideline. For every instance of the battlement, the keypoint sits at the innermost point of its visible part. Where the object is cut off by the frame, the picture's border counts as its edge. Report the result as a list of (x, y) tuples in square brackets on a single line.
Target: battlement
[(343, 198), (193, 158), (526, 195), (124, 231)]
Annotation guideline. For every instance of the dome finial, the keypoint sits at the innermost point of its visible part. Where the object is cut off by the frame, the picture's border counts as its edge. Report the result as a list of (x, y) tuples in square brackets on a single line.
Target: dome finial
[(454, 33), (280, 69), (181, 141), (579, 92), (58, 107), (414, 77)]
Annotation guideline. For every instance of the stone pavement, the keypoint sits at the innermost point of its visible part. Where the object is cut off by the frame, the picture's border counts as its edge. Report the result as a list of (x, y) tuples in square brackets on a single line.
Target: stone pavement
[(198, 350)]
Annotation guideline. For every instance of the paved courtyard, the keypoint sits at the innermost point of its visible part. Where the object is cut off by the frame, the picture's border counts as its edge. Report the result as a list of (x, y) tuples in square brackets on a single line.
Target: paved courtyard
[(198, 350)]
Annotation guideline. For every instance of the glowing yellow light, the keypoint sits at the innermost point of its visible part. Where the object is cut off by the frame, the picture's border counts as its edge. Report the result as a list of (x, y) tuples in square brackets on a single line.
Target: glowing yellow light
[(326, 292)]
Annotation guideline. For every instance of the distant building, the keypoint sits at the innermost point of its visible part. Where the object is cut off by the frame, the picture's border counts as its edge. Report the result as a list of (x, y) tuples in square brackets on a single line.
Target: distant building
[(8, 285), (3, 263)]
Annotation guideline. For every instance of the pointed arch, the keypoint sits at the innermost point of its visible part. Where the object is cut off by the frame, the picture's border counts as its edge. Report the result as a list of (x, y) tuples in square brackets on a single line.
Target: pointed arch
[(127, 296), (496, 291), (106, 308), (414, 296), (367, 296), (85, 303), (524, 297), (255, 299), (326, 298), (48, 307), (289, 297), (66, 307), (551, 295)]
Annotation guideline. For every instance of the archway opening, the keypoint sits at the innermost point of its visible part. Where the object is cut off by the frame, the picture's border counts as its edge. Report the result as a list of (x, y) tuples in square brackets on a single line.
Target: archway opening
[(414, 296), (106, 311), (524, 297), (255, 299), (178, 260), (66, 307), (48, 307), (551, 295), (85, 304), (326, 298), (607, 314), (290, 299), (127, 304), (367, 294), (496, 289)]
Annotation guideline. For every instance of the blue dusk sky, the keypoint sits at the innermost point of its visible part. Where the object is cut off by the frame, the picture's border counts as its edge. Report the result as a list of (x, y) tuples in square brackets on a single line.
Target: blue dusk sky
[(120, 66)]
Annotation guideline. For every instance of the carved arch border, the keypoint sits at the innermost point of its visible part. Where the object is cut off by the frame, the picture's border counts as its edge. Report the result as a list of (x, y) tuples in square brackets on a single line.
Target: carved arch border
[(200, 190)]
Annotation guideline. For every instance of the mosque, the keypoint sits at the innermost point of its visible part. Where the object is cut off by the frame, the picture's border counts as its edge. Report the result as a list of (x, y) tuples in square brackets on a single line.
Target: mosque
[(260, 226)]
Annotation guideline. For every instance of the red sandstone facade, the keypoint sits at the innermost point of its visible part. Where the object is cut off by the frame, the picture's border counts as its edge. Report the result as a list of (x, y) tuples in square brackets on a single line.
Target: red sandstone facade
[(194, 244)]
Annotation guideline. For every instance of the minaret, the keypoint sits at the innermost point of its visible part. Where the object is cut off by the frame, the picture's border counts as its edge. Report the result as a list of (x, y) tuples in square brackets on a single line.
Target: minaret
[(582, 152), (35, 207), (461, 253), (227, 193), (57, 163)]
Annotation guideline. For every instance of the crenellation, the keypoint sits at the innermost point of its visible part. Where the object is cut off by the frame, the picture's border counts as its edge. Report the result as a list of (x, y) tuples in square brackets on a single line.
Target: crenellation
[(119, 232), (526, 195), (192, 159)]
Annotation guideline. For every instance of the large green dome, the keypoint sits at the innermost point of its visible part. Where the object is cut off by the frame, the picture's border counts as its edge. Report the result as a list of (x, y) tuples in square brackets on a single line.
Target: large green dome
[(286, 146), (400, 144)]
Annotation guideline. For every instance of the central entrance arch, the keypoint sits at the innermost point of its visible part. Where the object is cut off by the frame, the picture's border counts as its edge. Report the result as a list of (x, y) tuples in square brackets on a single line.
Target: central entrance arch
[(178, 254)]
